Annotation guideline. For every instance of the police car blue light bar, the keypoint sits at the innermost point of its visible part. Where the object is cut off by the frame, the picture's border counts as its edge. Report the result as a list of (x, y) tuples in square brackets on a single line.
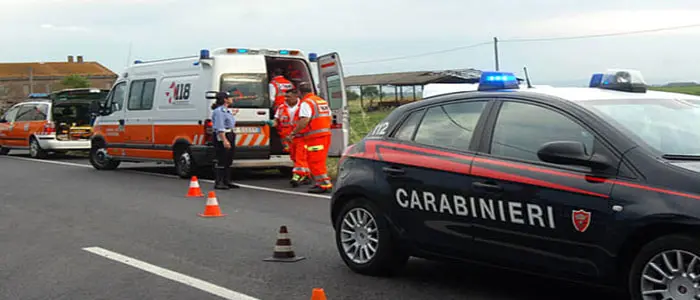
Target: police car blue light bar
[(490, 81), (595, 80), (623, 80)]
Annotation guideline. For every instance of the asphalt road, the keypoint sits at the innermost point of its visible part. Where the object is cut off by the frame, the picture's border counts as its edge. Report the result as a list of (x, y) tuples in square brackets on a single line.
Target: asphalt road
[(51, 210)]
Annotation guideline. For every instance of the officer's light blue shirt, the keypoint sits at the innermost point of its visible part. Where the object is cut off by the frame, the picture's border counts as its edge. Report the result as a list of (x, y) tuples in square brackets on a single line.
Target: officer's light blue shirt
[(223, 119)]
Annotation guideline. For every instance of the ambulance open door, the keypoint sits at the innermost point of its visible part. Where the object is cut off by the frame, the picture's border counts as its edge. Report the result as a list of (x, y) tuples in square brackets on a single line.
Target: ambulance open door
[(332, 89)]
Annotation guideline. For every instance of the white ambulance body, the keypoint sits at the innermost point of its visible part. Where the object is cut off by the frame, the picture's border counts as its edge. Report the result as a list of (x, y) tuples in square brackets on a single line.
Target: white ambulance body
[(157, 111)]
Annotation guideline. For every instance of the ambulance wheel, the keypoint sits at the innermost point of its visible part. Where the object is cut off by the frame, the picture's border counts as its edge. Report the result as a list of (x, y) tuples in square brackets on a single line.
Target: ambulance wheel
[(100, 160), (185, 166), (286, 171), (4, 151), (666, 268), (35, 150), (365, 241)]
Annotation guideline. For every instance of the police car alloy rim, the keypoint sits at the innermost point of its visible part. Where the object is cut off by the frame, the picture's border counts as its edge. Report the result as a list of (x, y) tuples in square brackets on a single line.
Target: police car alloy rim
[(673, 274), (359, 235)]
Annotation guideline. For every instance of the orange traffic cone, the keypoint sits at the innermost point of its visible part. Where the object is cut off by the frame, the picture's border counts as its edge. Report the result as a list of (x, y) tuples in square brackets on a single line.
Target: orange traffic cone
[(212, 209), (283, 248), (194, 190), (318, 294)]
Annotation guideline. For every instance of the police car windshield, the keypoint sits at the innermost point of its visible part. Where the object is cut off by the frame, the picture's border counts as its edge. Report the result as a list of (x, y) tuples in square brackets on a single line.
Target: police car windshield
[(248, 90), (668, 126)]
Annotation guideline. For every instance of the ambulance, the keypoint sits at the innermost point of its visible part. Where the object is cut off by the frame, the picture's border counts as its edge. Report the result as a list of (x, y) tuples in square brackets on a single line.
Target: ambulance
[(160, 110)]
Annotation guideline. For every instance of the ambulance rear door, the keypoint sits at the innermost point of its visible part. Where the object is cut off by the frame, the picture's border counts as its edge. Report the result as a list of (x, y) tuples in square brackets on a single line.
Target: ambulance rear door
[(332, 89)]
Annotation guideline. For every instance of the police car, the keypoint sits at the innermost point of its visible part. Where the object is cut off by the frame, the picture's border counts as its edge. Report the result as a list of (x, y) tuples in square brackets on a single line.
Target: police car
[(598, 184)]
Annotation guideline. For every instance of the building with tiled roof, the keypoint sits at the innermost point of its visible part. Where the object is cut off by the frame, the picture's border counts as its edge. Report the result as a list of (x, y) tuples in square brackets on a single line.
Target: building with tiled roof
[(18, 80)]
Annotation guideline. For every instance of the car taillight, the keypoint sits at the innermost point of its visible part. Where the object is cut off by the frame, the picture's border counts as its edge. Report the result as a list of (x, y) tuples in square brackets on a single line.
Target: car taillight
[(208, 129), (49, 128)]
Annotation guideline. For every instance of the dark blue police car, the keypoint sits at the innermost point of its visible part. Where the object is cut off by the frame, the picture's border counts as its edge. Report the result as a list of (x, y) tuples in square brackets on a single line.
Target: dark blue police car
[(597, 184)]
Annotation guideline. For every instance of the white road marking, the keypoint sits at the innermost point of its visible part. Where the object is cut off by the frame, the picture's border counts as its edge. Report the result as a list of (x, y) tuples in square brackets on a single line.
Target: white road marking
[(172, 275), (252, 187)]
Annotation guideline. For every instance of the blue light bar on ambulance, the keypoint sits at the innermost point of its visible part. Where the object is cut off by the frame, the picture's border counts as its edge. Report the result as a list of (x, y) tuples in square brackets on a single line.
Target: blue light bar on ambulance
[(284, 52), (623, 80), (595, 80), (313, 57), (491, 81), (204, 54), (38, 95)]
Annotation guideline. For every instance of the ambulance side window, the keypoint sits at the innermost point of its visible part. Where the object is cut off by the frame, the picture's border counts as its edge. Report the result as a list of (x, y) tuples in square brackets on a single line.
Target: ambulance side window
[(450, 126), (521, 129), (141, 94), (11, 114), (117, 96), (26, 113)]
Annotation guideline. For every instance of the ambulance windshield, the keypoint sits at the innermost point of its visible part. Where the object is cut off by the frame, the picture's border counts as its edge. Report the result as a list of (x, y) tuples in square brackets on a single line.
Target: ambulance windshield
[(248, 90)]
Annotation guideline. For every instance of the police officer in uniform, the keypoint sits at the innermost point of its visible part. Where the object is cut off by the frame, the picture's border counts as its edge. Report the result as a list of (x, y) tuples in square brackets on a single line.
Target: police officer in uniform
[(224, 139)]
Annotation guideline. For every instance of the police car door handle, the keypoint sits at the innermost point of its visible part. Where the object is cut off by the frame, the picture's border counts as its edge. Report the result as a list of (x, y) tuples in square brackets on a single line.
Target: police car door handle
[(393, 171), (487, 186)]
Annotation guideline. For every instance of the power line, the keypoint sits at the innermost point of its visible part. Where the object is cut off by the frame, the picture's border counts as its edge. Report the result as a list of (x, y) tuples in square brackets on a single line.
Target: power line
[(597, 35), (519, 40), (420, 54)]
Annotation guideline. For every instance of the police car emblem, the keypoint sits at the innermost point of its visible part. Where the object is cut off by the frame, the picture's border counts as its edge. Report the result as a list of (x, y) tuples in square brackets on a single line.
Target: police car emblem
[(581, 219)]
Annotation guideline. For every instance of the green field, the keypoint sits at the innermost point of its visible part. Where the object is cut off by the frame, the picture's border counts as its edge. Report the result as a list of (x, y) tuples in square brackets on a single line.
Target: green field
[(362, 122)]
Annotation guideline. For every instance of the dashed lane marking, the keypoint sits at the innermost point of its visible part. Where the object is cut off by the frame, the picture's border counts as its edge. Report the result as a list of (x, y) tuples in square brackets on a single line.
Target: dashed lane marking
[(252, 187), (172, 275)]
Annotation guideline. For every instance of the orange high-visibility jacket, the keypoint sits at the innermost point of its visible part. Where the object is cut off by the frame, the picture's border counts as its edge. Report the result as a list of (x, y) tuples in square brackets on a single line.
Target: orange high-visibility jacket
[(285, 121), (282, 85), (321, 118)]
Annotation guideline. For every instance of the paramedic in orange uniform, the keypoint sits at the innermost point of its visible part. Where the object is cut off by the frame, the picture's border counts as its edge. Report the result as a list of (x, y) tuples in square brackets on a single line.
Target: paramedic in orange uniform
[(278, 87), (285, 118), (314, 126)]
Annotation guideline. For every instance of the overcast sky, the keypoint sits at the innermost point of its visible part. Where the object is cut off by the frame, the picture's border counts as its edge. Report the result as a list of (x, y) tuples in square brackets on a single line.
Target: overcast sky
[(361, 30)]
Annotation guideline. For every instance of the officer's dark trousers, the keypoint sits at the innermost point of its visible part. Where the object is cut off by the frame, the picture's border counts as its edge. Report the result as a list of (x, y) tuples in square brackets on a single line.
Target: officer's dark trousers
[(224, 158)]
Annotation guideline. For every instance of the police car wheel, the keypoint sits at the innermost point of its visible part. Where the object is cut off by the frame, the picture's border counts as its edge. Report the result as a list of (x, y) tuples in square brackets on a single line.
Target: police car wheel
[(365, 241), (666, 268)]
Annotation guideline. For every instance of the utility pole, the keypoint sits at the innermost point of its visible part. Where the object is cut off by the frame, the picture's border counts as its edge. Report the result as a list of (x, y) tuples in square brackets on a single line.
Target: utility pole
[(495, 52), (31, 80)]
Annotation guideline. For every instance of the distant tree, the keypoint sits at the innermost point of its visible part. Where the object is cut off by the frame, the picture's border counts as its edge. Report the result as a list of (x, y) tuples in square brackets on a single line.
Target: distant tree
[(352, 95), (75, 81), (370, 92)]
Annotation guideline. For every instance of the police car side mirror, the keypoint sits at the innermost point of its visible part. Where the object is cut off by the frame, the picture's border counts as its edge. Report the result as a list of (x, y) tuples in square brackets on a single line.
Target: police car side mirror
[(210, 95), (571, 153)]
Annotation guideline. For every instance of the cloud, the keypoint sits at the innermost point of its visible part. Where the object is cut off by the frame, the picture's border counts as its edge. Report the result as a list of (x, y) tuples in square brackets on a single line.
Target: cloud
[(64, 28)]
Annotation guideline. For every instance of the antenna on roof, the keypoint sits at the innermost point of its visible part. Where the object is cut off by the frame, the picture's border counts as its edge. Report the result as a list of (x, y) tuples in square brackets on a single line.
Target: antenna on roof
[(527, 78), (128, 56)]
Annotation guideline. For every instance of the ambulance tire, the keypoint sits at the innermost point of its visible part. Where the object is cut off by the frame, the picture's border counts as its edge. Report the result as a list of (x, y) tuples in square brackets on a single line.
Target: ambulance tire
[(185, 166), (4, 151), (99, 161), (388, 258), (286, 171), (35, 150), (670, 245)]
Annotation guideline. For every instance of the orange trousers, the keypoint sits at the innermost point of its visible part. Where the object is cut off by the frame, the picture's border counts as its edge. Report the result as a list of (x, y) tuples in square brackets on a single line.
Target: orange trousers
[(297, 153), (317, 155)]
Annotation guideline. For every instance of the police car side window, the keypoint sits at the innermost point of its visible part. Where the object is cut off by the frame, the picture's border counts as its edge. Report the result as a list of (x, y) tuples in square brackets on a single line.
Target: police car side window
[(408, 127), (521, 129), (450, 125)]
